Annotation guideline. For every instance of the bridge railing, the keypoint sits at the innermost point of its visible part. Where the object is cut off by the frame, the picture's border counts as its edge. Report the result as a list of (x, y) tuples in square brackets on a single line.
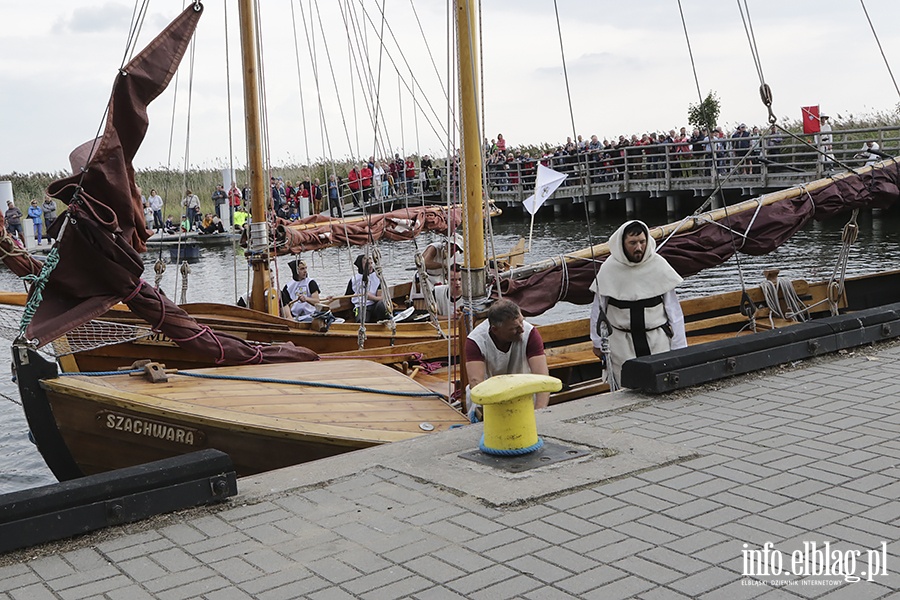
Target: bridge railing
[(771, 160)]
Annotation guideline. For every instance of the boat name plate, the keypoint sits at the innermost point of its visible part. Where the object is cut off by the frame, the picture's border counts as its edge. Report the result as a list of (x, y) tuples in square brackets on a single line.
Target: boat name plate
[(138, 426), (157, 338)]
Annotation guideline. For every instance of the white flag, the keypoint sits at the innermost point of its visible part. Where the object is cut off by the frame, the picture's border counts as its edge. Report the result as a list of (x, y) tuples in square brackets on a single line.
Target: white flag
[(547, 182)]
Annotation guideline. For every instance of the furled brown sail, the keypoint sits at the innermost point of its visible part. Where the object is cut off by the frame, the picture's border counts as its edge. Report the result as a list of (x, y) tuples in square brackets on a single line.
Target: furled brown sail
[(99, 249)]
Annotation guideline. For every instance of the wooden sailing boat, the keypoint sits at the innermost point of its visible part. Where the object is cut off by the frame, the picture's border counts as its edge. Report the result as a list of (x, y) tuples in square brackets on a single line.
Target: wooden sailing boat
[(272, 411), (75, 445)]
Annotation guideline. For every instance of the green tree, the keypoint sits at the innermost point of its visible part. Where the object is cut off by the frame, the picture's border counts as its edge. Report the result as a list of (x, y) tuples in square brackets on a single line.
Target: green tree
[(705, 114)]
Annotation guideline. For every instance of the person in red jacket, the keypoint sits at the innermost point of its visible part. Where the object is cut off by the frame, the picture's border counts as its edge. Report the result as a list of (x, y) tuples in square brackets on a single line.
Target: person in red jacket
[(365, 174), (410, 174), (353, 184)]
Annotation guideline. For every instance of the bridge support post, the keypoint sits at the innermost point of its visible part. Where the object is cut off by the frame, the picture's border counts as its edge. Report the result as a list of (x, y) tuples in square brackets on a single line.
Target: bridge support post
[(630, 206), (671, 205)]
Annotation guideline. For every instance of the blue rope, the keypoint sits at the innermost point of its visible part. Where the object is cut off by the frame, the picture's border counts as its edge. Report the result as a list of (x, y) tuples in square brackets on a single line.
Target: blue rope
[(101, 373), (336, 386), (516, 452)]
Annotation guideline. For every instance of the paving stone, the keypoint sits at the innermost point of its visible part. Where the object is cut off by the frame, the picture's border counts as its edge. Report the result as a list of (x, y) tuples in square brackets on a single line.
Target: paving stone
[(94, 588), (590, 580), (549, 593), (293, 590), (399, 589), (482, 579), (35, 591), (333, 570), (195, 589), (674, 560), (613, 552), (51, 567), (331, 593), (623, 589), (438, 593), (525, 546), (236, 570), (20, 580), (539, 569), (511, 588), (648, 570), (177, 580), (142, 569), (704, 581), (136, 592)]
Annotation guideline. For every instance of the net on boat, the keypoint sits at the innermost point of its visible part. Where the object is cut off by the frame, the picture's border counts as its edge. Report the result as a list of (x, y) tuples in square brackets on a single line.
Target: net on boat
[(88, 336)]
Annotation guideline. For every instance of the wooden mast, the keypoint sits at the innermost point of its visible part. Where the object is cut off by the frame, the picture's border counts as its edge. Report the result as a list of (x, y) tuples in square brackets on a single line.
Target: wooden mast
[(263, 297), (471, 185)]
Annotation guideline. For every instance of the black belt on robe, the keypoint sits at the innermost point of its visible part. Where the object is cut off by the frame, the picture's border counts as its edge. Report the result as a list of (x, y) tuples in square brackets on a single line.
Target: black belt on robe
[(638, 329)]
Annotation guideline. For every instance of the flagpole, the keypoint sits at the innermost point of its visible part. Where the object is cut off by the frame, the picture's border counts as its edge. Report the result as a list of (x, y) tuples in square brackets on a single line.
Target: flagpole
[(530, 232)]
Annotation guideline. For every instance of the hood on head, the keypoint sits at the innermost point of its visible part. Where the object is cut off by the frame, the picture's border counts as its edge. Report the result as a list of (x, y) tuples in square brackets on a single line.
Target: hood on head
[(617, 241)]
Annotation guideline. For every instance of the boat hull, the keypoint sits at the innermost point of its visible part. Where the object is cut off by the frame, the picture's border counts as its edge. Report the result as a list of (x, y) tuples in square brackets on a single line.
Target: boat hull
[(85, 425)]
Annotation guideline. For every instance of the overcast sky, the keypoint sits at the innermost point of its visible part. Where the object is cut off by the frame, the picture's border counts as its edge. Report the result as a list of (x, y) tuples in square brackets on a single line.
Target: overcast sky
[(628, 67)]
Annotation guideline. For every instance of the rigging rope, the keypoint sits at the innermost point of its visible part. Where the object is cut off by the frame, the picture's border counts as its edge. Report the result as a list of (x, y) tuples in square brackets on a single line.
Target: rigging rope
[(880, 49)]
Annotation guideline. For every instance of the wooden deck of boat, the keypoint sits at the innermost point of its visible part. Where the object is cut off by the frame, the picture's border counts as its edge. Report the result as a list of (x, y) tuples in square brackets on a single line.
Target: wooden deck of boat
[(281, 409)]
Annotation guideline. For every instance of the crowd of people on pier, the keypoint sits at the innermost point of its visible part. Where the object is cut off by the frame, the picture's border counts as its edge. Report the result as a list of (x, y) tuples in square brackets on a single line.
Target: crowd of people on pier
[(638, 156)]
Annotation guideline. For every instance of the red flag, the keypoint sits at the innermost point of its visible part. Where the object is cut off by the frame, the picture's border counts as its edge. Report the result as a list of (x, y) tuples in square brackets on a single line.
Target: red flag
[(810, 119)]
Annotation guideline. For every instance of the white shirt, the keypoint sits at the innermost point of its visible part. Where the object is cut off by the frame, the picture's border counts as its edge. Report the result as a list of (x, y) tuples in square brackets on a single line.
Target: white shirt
[(357, 285), (156, 202)]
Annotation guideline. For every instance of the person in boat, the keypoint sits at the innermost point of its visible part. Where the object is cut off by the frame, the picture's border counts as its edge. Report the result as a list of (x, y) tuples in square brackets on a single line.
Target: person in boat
[(240, 217), (366, 285), (185, 224), (300, 296), (169, 225), (504, 344), (635, 301), (215, 225), (447, 297), (365, 177), (438, 256)]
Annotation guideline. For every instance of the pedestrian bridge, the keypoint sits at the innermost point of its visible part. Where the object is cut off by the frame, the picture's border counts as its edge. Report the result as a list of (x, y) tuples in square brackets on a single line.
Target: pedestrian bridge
[(772, 162)]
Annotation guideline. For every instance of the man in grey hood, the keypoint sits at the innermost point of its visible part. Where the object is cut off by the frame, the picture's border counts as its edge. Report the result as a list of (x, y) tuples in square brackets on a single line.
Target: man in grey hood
[(634, 297)]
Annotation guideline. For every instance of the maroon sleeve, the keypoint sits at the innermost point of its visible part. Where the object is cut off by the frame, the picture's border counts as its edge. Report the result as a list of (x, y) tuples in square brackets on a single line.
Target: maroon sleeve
[(473, 352), (535, 346)]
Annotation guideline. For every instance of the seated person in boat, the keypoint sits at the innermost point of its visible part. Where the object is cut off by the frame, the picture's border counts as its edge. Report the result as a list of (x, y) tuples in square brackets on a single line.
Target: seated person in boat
[(635, 301), (505, 344), (365, 287), (185, 223), (215, 225), (169, 226), (240, 217), (438, 256), (206, 222), (447, 297), (300, 296)]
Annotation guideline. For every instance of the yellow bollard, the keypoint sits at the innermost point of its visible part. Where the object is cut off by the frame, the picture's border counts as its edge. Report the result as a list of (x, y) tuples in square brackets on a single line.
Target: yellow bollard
[(510, 428)]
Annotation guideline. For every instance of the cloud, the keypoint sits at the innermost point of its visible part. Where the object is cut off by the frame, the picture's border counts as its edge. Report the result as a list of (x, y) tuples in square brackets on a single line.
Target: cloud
[(111, 16)]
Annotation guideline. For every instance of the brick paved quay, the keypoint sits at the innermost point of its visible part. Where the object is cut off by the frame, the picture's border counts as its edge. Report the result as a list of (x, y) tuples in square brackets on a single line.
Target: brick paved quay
[(804, 455)]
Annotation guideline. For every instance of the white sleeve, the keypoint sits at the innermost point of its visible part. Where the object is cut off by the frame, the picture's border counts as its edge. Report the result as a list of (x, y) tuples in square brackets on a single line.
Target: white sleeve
[(676, 319), (598, 303)]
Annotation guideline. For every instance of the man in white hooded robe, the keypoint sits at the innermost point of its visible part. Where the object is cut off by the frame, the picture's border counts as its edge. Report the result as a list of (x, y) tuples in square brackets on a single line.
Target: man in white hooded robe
[(635, 291)]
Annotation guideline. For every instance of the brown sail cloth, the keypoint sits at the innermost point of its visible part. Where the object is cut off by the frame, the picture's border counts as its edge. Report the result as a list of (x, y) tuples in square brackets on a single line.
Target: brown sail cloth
[(99, 249), (317, 231), (756, 233)]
